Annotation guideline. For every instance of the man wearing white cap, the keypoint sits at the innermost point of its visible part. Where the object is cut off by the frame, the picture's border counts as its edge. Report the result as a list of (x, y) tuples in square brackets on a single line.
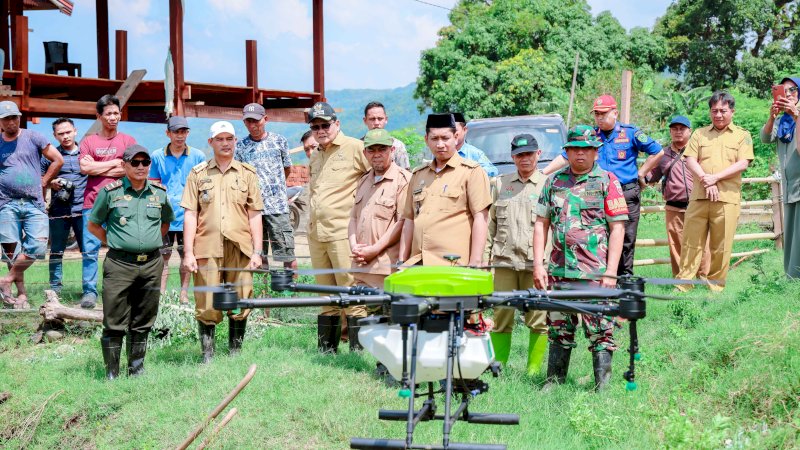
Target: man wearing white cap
[(221, 228)]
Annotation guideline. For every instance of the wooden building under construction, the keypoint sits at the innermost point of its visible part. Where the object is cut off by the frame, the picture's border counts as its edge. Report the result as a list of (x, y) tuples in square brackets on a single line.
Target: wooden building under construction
[(70, 95)]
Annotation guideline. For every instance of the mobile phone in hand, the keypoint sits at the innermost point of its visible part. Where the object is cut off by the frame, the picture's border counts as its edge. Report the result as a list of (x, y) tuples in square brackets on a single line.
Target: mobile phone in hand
[(778, 91)]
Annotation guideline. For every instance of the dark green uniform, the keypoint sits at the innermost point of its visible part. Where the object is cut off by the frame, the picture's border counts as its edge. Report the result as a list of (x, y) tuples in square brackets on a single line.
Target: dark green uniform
[(132, 268)]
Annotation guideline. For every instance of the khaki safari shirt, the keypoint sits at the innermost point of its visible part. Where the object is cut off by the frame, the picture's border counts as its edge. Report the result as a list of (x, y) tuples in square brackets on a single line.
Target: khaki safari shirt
[(511, 219), (442, 205), (133, 219), (715, 151), (376, 209), (222, 201), (334, 175)]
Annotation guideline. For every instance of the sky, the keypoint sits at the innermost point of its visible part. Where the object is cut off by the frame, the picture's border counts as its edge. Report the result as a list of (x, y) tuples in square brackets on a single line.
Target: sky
[(369, 44)]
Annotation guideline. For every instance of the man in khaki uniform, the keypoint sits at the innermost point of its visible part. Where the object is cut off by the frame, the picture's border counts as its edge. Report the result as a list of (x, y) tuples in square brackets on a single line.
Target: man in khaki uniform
[(336, 167), (717, 155), (510, 244), (448, 203), (222, 228), (375, 222)]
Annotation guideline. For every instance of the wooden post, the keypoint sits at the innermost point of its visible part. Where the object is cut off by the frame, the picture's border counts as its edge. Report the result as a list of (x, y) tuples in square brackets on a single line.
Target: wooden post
[(21, 53), (121, 54), (176, 47), (251, 57), (4, 30), (777, 212), (101, 8), (572, 89), (625, 100), (319, 49)]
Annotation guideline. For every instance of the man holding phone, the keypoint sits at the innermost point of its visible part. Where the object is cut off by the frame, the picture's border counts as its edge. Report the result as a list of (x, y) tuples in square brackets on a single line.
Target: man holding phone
[(784, 109)]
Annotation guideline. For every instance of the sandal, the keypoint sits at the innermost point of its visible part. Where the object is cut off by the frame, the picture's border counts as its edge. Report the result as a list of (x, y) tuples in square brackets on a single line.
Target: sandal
[(8, 300)]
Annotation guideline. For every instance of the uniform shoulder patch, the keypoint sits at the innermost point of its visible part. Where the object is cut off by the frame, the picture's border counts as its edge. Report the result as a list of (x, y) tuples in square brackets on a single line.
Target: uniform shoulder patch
[(249, 167), (113, 185), (200, 167), (158, 185), (641, 136), (469, 163)]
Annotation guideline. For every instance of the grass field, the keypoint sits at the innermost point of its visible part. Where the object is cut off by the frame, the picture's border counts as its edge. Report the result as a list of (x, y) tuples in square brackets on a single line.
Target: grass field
[(718, 371)]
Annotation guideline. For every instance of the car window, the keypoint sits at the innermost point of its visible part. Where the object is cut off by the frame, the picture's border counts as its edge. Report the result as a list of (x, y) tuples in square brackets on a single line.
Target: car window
[(496, 141)]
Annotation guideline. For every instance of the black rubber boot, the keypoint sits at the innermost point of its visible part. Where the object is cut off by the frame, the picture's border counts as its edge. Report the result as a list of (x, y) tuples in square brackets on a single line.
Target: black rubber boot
[(136, 346), (557, 365), (352, 333), (601, 361), (328, 333), (236, 329), (112, 348), (206, 341)]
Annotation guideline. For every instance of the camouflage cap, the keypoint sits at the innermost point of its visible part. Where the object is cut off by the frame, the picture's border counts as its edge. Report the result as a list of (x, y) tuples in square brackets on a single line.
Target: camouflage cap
[(582, 136), (378, 136)]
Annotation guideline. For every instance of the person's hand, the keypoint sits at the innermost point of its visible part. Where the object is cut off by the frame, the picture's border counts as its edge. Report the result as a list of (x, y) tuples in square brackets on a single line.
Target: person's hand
[(712, 193), (609, 279), (540, 277), (55, 185), (642, 182), (189, 263), (255, 261), (709, 180), (787, 106), (775, 109)]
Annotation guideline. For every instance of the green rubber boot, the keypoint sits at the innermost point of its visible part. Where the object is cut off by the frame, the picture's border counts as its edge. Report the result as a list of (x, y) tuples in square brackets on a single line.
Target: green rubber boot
[(537, 346), (501, 342)]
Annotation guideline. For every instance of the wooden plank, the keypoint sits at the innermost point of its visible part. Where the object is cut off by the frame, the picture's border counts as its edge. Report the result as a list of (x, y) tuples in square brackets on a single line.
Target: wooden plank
[(69, 108), (251, 64), (230, 113), (21, 50), (101, 9), (656, 261), (736, 238), (777, 213), (123, 94), (759, 180), (4, 30), (662, 208), (176, 48), (121, 54), (319, 48)]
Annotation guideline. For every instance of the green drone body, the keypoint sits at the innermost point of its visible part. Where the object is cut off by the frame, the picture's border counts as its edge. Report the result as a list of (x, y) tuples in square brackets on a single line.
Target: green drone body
[(440, 281)]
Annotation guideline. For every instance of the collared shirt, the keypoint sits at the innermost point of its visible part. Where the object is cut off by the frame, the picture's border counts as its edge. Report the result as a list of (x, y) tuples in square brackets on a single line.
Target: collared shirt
[(222, 201), (511, 219), (715, 151), (335, 172), (620, 149), (442, 204), (678, 180), (70, 171), (789, 158), (269, 156), (133, 219), (473, 153), (173, 172), (376, 210), (580, 209), (100, 148)]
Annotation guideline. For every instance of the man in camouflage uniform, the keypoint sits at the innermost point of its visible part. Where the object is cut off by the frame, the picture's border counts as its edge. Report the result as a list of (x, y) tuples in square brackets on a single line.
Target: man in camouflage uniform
[(584, 208), (510, 245)]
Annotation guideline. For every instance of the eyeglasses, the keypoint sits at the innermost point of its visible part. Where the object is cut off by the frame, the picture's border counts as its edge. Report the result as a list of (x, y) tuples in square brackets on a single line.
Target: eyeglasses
[(136, 162), (791, 90), (323, 126)]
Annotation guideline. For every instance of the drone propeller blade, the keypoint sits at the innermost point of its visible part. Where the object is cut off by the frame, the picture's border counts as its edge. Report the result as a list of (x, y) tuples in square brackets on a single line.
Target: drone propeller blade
[(661, 297), (298, 271)]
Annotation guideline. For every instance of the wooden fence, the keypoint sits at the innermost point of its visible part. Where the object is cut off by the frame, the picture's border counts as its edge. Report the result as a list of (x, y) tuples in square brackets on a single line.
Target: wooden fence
[(772, 209)]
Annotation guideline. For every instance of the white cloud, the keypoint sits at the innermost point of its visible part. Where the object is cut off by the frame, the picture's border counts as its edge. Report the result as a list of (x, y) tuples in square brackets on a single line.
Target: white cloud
[(267, 19), (137, 18)]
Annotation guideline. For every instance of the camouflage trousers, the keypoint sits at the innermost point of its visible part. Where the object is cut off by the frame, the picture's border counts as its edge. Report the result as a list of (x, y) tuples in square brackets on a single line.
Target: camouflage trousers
[(599, 331)]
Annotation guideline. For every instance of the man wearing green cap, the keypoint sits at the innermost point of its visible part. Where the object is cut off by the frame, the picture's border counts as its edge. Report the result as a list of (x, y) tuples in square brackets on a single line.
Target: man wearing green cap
[(584, 208), (510, 244), (375, 221)]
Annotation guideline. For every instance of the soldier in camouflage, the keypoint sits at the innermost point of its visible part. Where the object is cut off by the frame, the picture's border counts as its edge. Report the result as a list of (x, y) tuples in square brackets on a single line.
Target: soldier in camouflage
[(584, 208)]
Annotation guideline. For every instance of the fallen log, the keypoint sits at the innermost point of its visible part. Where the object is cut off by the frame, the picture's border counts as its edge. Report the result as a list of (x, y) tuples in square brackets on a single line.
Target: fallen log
[(53, 310)]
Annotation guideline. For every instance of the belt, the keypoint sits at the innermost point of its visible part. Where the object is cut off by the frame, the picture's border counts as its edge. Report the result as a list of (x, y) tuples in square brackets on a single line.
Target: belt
[(681, 205), (136, 258), (629, 186)]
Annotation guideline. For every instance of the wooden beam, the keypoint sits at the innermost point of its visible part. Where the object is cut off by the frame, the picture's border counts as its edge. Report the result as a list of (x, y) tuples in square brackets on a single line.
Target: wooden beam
[(319, 48), (121, 54), (123, 94), (101, 11), (69, 108), (625, 100), (251, 56), (21, 54), (176, 48), (4, 30), (777, 214)]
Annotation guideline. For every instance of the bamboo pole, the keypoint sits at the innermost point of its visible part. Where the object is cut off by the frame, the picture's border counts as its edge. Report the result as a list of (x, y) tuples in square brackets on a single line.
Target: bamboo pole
[(218, 428), (656, 261), (736, 238), (777, 213), (662, 208), (572, 89)]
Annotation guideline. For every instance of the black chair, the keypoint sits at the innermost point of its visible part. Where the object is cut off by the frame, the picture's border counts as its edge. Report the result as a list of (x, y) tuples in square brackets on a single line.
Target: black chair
[(56, 59)]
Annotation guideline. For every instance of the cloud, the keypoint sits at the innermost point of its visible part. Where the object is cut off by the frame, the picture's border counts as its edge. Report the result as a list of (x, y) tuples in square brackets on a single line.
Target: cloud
[(136, 16), (268, 20)]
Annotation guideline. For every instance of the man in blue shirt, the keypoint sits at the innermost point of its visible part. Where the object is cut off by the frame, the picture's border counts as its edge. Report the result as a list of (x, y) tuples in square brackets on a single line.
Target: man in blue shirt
[(171, 166), (622, 143), (469, 151)]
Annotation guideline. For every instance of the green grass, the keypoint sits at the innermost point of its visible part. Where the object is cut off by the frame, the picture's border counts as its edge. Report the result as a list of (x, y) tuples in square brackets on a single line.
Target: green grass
[(718, 371)]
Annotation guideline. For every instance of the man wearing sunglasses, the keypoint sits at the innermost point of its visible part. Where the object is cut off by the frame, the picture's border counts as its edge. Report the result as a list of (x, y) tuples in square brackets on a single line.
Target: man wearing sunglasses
[(335, 170), (136, 214)]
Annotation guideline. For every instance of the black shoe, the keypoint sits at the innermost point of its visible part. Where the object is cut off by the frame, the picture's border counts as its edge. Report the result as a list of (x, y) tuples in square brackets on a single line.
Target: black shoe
[(236, 329), (206, 333), (601, 361), (557, 365), (352, 333), (112, 348), (137, 348), (328, 333), (88, 300)]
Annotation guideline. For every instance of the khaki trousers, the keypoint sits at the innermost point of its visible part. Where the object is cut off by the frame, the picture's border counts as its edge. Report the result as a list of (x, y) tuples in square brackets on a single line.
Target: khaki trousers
[(334, 255), (507, 280), (208, 274), (675, 222), (715, 222)]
